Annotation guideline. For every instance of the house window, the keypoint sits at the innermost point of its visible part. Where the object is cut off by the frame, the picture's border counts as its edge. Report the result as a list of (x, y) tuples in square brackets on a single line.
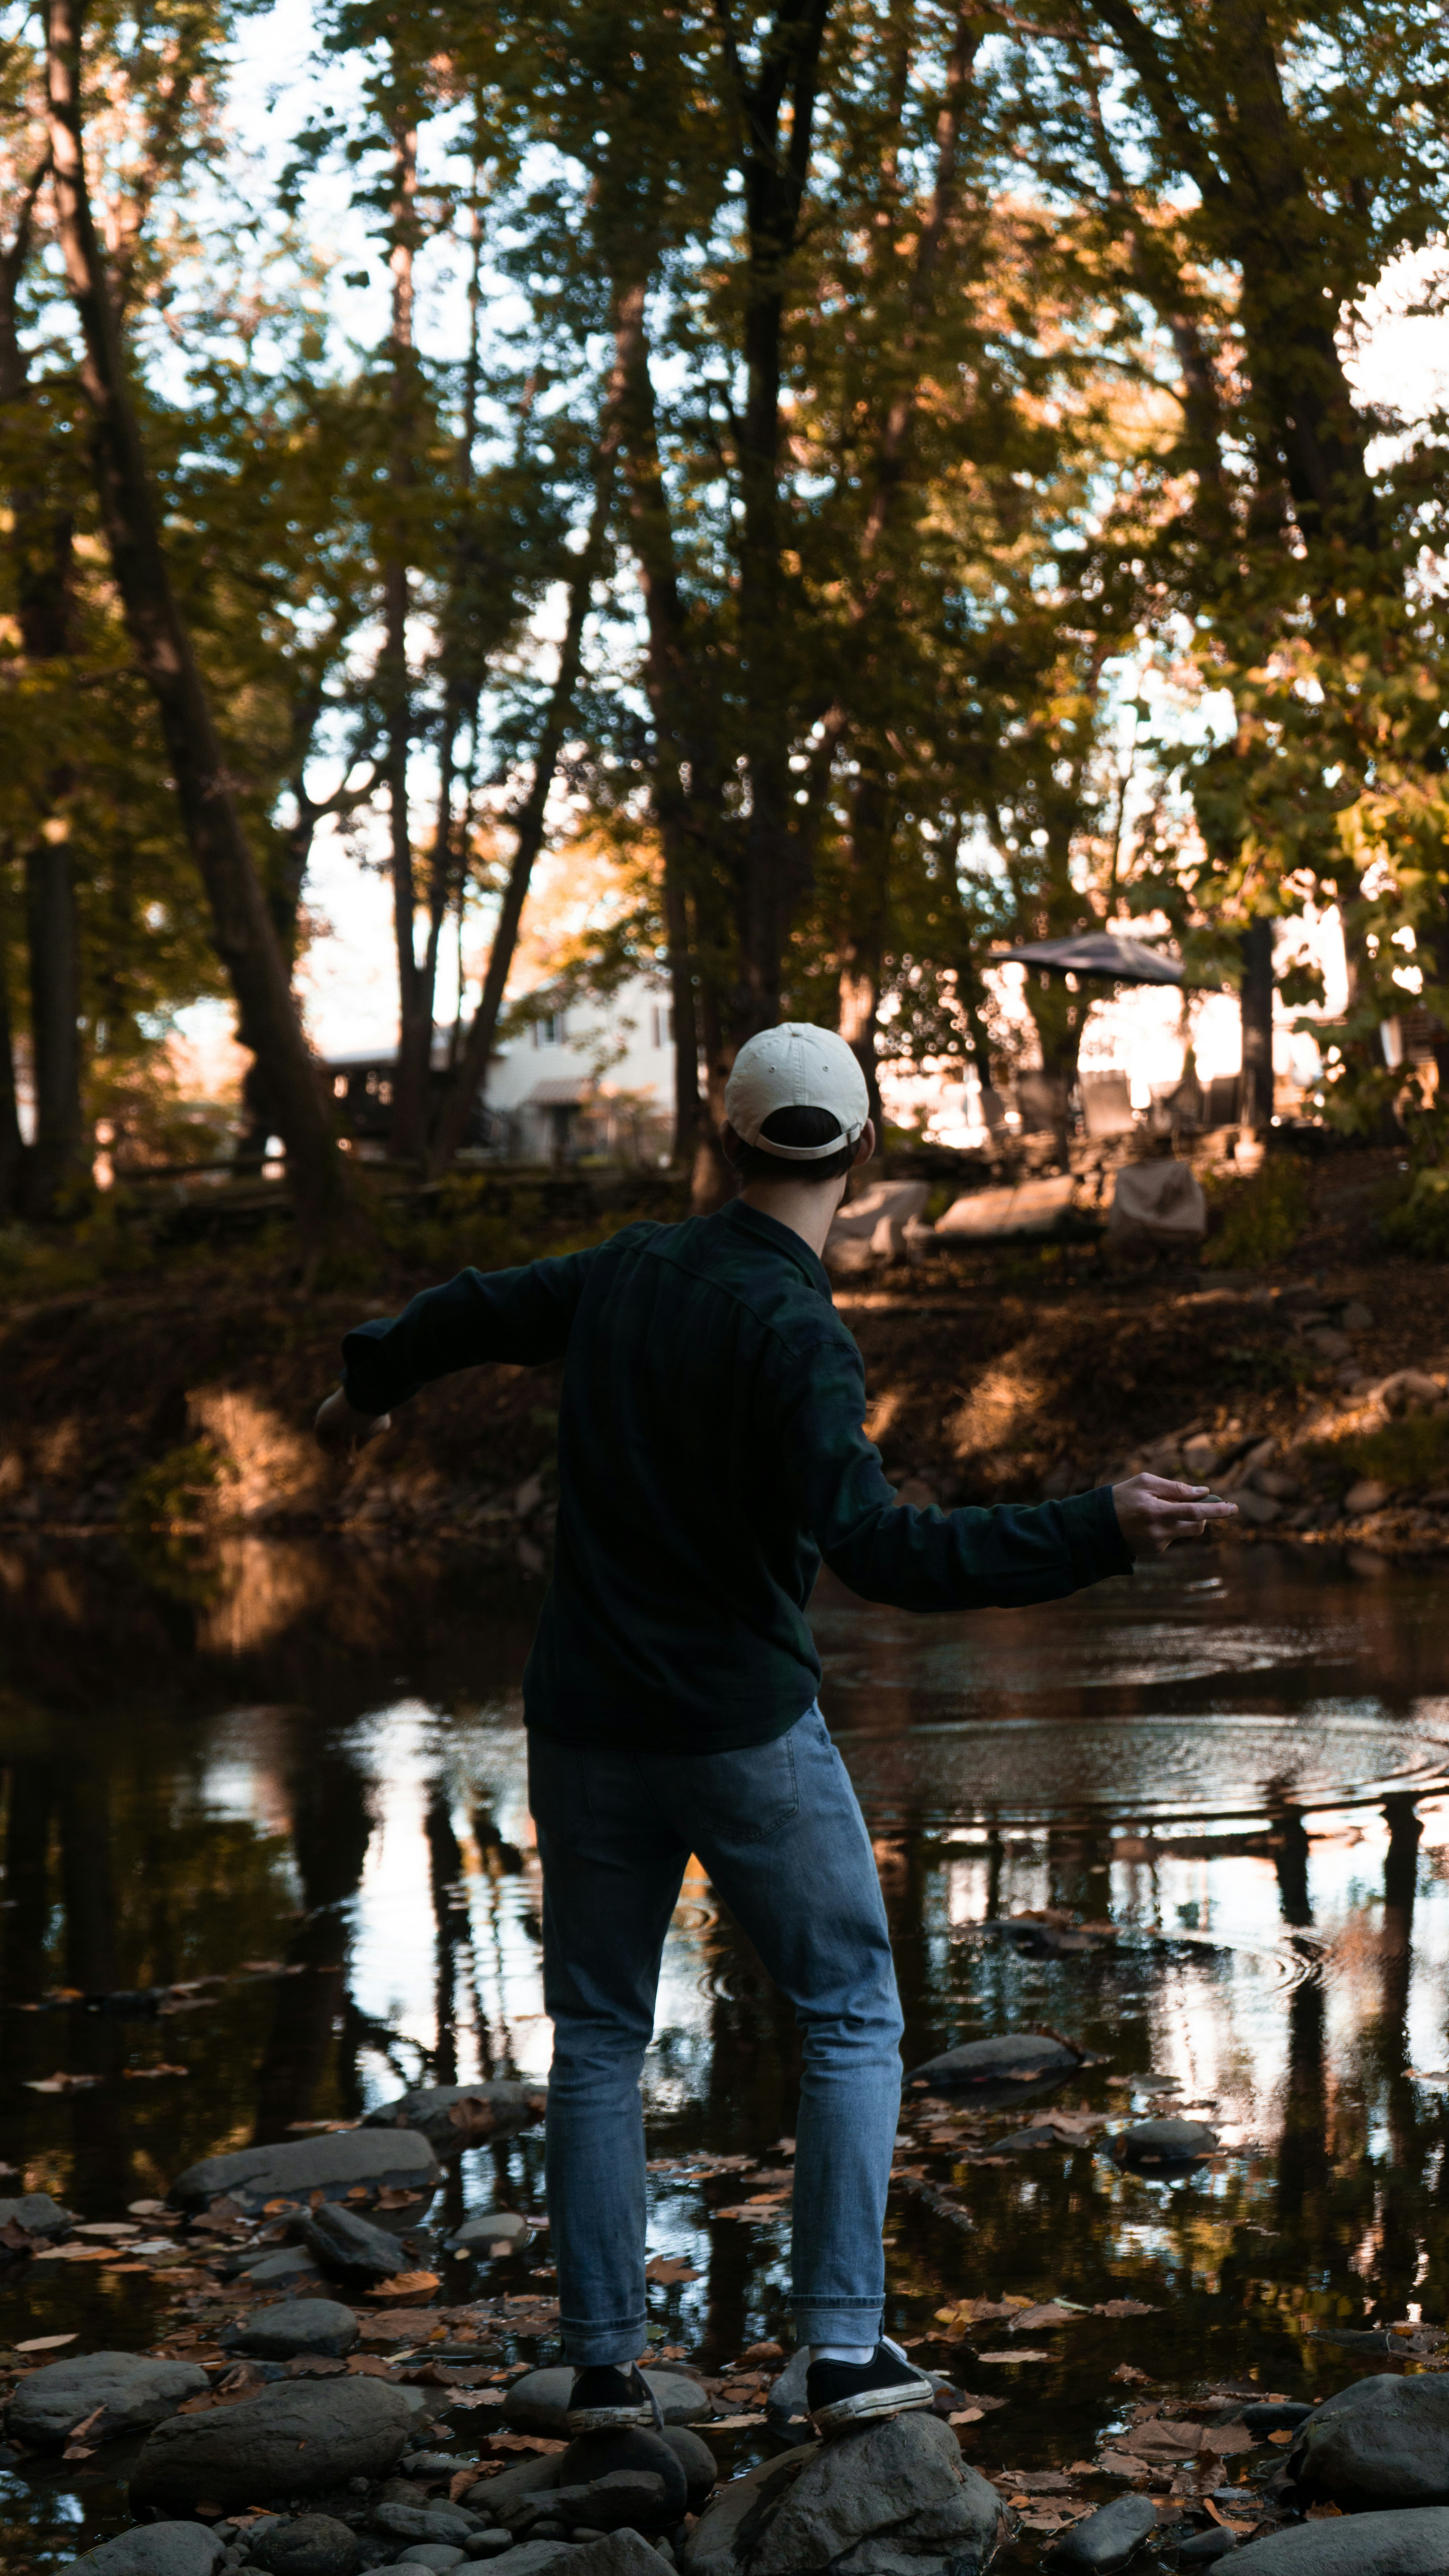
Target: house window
[(549, 1031), (663, 1025)]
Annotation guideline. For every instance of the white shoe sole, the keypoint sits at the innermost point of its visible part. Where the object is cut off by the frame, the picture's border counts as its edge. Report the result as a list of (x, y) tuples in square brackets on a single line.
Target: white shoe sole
[(871, 2406)]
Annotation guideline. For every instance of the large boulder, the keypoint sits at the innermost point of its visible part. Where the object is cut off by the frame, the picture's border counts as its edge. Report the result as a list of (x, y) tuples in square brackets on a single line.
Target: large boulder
[(399, 2159), (1012, 2069), (157, 2549), (135, 2391), (319, 2329), (537, 2403), (1383, 2442), (351, 2247), (1414, 2543), (894, 2499), (454, 2116), (296, 2438)]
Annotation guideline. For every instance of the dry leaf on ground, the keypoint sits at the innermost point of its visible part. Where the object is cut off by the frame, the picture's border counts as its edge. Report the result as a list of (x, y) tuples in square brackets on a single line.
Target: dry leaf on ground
[(669, 2267)]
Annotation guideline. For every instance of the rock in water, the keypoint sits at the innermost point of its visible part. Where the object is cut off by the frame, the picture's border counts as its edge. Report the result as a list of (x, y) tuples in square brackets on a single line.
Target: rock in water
[(1164, 2142), (158, 2549), (135, 2392), (314, 2545), (885, 2499), (491, 2227), (1415, 2543), (276, 2271), (37, 2215), (697, 2461), (1106, 2540), (297, 2437), (1012, 2069), (537, 2402), (351, 2247), (251, 2176), (454, 2116), (594, 2471), (322, 2328), (1383, 2442), (1264, 2418)]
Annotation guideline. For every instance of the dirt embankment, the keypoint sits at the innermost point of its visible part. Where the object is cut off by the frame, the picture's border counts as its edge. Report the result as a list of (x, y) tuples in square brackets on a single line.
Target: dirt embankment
[(181, 1401)]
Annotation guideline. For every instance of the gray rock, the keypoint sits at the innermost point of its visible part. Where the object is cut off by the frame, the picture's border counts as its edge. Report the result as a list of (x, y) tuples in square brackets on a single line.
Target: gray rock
[(1383, 2442), (492, 2227), (701, 2472), (634, 2451), (497, 2496), (1012, 2069), (351, 2247), (786, 2395), (1106, 2540), (157, 2549), (454, 2116), (1163, 2142), (1414, 2543), (533, 2557), (445, 2522), (434, 2464), (278, 2269), (623, 2553), (321, 2328), (316, 2544), (893, 2498), (537, 2403), (1205, 2548), (334, 2164), (296, 2438), (1262, 2419), (136, 2393), (430, 2553), (488, 2544), (624, 2499), (39, 2215)]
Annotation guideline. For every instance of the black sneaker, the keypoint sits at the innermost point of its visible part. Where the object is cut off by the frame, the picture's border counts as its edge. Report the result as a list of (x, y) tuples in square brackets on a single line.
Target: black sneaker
[(838, 2393), (603, 2399)]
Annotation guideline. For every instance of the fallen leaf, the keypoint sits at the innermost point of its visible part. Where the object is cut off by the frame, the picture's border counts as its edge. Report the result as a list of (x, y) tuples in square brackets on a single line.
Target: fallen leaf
[(149, 2209), (369, 2365), (467, 2396), (259, 1968), (148, 2074), (460, 2482), (967, 2415), (1222, 2440), (1132, 2378), (1282, 2437), (61, 2083), (1226, 2522), (668, 2267), (1126, 2308), (1324, 2513), (1014, 2356), (731, 2424), (45, 2343), (395, 2198), (406, 2285)]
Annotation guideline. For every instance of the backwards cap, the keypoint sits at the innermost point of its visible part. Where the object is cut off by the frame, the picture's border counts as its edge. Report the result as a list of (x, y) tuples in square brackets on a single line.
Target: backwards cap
[(796, 1067)]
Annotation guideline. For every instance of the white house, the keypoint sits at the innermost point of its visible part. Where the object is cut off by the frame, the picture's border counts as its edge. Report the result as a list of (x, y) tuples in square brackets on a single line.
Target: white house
[(589, 1076)]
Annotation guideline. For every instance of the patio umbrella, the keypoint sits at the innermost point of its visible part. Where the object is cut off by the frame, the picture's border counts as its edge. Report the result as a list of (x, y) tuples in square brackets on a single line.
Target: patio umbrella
[(1094, 952)]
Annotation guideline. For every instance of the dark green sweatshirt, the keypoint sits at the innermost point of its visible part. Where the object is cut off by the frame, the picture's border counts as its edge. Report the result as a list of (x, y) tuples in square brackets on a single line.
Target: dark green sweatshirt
[(710, 1453)]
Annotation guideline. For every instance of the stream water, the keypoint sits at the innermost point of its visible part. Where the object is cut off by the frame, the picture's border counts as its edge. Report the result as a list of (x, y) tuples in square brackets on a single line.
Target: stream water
[(304, 1773)]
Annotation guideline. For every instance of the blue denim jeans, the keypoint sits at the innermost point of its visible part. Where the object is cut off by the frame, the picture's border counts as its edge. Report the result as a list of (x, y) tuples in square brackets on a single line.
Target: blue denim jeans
[(778, 1828)]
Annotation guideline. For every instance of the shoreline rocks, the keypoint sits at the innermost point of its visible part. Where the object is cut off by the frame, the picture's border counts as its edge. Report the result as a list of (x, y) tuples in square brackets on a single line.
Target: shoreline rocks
[(1383, 2442), (135, 2391), (395, 2160), (1411, 2543), (993, 2071), (881, 2501), (292, 2328)]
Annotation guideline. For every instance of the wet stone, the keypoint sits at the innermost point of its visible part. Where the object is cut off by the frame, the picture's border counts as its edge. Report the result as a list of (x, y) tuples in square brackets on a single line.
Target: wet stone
[(1205, 2548), (334, 2164), (276, 2270), (885, 2498), (316, 2544), (454, 2116), (1264, 2419), (351, 2247), (537, 2402), (1105, 2540), (158, 2549), (430, 2553), (299, 2438), (701, 2472), (1164, 2142), (633, 2452), (135, 2391), (1383, 2442), (1412, 2543), (491, 2227), (39, 2216), (419, 2522), (998, 2070), (623, 2553), (320, 2328)]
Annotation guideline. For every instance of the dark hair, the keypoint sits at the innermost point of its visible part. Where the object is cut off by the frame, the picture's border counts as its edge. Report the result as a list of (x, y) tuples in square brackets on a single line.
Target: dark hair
[(795, 1127)]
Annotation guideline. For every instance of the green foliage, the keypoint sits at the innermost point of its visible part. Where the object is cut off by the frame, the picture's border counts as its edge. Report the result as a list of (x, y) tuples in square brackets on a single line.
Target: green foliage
[(1410, 1454), (173, 1493), (1417, 1218), (1256, 1221)]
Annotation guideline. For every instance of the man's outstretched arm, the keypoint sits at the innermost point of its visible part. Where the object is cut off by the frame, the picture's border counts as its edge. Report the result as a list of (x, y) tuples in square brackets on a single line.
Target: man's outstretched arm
[(521, 1315)]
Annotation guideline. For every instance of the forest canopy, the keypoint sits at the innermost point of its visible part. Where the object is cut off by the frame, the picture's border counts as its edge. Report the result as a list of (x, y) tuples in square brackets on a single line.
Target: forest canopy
[(894, 476)]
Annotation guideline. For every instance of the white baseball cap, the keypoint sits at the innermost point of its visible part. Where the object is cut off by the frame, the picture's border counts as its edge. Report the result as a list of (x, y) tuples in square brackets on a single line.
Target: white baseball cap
[(796, 1067)]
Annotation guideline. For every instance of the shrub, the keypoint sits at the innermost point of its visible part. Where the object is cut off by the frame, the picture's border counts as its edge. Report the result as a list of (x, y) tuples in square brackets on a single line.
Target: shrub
[(1255, 1221), (1408, 1455), (1417, 1220)]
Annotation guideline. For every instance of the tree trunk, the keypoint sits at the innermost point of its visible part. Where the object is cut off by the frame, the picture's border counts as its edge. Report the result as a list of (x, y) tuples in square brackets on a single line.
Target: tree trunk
[(415, 1000), (12, 1149), (57, 1156), (470, 1075), (1255, 1111), (245, 940)]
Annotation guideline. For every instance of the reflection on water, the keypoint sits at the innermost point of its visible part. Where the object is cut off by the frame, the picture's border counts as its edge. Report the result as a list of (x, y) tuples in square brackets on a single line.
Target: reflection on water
[(311, 1789)]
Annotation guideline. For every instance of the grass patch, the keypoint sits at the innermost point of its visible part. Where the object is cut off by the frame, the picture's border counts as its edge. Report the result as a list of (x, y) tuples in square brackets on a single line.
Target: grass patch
[(1252, 1222), (1417, 1218), (1409, 1455)]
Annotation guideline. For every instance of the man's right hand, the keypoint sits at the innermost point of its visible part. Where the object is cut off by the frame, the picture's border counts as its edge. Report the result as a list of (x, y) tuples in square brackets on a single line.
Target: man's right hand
[(340, 1428), (1152, 1511)]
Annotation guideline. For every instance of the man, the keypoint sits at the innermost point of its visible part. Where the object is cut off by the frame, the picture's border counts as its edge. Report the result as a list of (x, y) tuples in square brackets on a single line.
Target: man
[(710, 1453)]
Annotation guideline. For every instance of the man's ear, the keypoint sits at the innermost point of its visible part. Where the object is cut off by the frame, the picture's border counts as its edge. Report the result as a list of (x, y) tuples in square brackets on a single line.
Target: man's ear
[(866, 1146)]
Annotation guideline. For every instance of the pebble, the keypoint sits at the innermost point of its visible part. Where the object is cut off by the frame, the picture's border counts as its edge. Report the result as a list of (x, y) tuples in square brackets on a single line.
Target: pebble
[(320, 2328), (274, 2271), (1205, 2548), (37, 2214), (997, 2069), (1106, 2540), (430, 2553), (314, 2545), (351, 2247), (491, 2227), (424, 2522), (1163, 2143)]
